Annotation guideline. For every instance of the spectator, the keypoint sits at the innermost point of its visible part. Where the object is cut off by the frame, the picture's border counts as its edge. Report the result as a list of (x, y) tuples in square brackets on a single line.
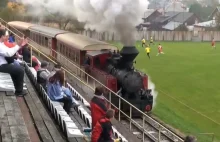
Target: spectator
[(102, 132), (42, 74), (190, 139), (57, 67), (26, 54), (98, 106), (69, 94), (54, 90), (16, 72), (35, 63), (27, 57), (12, 59)]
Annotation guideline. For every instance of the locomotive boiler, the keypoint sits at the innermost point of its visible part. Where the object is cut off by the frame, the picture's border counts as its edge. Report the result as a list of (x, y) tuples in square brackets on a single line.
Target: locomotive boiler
[(131, 82)]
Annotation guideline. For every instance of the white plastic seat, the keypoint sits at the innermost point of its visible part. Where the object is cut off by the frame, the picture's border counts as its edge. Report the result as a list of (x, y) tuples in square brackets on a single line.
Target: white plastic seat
[(6, 83), (33, 71)]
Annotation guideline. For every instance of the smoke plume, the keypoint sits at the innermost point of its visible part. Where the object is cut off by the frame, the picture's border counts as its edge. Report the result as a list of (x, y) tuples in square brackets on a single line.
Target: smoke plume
[(120, 16), (151, 86)]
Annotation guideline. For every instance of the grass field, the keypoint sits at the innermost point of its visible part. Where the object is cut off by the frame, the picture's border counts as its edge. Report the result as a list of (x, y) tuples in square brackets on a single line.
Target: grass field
[(187, 78)]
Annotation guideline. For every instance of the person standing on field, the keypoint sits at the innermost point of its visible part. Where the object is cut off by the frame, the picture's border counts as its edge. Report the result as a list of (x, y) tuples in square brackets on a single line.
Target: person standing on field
[(213, 43), (143, 42), (147, 49), (160, 50), (151, 40)]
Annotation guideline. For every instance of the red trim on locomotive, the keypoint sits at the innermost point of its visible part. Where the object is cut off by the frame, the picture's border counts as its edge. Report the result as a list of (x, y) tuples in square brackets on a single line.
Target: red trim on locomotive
[(96, 71)]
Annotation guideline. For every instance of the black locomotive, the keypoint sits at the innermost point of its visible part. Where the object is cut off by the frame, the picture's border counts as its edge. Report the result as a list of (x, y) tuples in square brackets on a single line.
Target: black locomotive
[(130, 81)]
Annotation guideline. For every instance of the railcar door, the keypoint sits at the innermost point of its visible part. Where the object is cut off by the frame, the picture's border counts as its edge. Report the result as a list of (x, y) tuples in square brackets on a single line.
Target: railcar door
[(50, 46), (54, 47)]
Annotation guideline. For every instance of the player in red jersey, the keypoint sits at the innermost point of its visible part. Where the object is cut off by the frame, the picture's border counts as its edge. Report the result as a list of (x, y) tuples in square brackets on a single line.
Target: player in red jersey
[(213, 43), (160, 50)]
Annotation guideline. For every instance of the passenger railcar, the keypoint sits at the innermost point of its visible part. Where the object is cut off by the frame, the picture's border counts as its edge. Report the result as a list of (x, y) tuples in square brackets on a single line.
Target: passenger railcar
[(113, 70), (46, 37), (21, 26)]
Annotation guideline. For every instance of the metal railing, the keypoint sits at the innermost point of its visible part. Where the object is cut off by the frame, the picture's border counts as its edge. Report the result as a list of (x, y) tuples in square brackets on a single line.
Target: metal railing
[(85, 79)]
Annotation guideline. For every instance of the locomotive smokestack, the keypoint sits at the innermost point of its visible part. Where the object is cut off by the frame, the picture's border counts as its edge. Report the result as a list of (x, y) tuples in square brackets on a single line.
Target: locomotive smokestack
[(129, 53)]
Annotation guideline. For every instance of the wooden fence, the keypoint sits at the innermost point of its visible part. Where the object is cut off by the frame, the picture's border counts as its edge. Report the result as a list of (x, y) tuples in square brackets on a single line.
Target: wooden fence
[(160, 35)]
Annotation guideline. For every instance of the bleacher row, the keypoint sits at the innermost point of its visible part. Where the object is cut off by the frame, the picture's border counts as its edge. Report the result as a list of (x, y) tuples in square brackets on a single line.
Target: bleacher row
[(67, 125)]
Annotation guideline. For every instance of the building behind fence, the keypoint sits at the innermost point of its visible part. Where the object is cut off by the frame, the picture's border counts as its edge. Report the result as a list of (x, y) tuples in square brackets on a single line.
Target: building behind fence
[(160, 35)]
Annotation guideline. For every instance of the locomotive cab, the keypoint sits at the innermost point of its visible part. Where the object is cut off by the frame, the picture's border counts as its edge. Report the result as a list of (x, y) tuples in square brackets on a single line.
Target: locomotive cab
[(95, 65)]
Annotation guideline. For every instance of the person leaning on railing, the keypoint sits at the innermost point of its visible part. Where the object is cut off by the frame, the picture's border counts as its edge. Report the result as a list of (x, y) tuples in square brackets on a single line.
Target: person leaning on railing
[(16, 72), (102, 132), (98, 106)]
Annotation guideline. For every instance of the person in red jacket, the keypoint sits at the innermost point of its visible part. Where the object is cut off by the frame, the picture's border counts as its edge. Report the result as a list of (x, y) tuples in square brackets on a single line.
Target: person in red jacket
[(98, 106), (102, 132), (35, 63)]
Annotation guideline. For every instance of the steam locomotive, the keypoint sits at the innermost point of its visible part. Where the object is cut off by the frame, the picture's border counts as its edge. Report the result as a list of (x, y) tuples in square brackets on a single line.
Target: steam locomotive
[(133, 85), (114, 70)]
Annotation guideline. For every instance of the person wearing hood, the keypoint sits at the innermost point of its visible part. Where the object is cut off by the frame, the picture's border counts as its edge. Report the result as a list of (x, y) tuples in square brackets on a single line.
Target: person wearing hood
[(98, 106), (42, 74)]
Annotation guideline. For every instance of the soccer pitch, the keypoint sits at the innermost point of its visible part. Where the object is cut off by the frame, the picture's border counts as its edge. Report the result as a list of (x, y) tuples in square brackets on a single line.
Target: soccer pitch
[(187, 79)]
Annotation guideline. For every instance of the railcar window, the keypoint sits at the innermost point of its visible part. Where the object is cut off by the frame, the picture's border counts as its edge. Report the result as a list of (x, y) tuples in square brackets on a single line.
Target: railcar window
[(37, 38), (70, 52), (46, 41), (75, 55), (33, 36), (63, 50), (40, 42), (58, 47), (43, 41)]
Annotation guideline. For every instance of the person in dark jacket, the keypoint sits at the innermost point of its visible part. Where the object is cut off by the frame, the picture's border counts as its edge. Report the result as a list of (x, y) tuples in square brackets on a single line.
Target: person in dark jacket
[(98, 106), (42, 74), (27, 56), (102, 132)]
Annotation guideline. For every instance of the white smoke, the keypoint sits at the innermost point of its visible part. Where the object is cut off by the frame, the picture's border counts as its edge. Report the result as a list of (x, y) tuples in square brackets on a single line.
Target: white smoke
[(152, 86), (120, 16)]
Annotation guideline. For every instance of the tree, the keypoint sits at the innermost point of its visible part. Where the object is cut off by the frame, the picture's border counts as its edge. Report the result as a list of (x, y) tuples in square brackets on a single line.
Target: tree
[(218, 20), (9, 15), (3, 3), (202, 12)]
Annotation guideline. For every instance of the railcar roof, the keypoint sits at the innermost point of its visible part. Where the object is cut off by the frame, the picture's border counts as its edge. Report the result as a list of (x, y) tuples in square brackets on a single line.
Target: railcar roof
[(95, 53), (20, 25), (47, 31), (84, 43)]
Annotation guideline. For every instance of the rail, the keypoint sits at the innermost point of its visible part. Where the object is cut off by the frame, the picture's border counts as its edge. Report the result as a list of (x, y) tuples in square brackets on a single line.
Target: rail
[(96, 82)]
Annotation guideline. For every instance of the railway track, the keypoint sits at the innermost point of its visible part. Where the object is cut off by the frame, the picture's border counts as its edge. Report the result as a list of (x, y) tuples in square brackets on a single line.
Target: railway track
[(155, 132)]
